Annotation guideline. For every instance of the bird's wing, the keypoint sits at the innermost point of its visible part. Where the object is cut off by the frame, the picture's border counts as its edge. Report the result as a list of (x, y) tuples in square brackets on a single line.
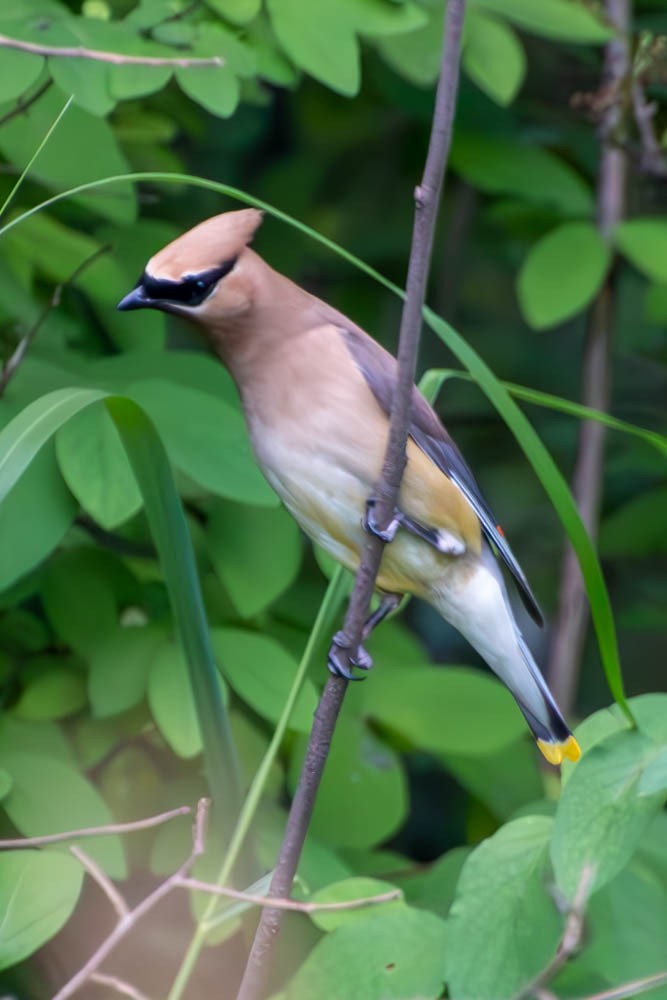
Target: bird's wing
[(379, 369)]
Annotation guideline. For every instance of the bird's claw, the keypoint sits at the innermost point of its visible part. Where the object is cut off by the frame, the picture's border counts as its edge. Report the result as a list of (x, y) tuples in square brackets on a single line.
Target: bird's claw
[(368, 523), (340, 658)]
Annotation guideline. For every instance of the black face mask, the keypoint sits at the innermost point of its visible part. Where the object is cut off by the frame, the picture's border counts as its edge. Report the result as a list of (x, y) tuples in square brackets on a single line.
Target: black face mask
[(190, 291)]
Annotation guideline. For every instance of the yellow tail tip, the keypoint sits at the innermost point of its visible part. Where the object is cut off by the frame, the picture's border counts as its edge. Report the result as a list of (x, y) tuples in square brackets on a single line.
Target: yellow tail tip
[(555, 753)]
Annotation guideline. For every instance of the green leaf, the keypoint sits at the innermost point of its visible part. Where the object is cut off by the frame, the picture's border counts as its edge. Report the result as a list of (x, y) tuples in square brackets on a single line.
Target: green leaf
[(38, 893), (54, 695), (18, 71), (501, 900), (255, 552), (451, 710), (654, 778), (216, 88), (396, 955), (261, 672), (493, 57), (362, 798), (79, 599), (559, 20), (319, 40), (416, 54), (129, 81), (119, 668), (96, 469), (578, 255), (236, 11), (5, 783), (644, 243), (377, 18), (211, 446), (434, 888), (45, 738), (636, 528), (504, 781), (171, 702), (50, 796), (601, 815), (87, 81), (82, 149), (359, 887), (506, 166), (34, 517)]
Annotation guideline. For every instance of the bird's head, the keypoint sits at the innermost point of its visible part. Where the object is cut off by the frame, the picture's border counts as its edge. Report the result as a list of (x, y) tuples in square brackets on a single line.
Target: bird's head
[(204, 275)]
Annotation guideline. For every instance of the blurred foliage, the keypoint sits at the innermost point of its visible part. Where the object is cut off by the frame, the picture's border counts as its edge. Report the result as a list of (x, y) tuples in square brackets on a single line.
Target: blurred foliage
[(433, 785)]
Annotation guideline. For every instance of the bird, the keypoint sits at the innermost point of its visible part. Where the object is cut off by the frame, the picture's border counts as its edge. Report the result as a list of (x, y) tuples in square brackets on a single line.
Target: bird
[(316, 391)]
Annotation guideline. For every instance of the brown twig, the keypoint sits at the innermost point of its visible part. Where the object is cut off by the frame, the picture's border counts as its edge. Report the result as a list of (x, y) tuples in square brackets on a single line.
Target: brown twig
[(98, 55), (570, 625), (570, 939), (652, 155), (427, 197), (129, 920), (12, 363), (294, 905), (118, 985), (96, 831), (25, 103), (629, 990)]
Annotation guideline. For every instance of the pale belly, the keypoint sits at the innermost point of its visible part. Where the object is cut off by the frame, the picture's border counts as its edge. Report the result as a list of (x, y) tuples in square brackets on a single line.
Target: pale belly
[(328, 502)]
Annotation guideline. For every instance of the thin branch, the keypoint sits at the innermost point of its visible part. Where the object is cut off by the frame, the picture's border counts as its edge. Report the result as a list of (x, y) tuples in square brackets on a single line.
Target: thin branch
[(25, 103), (570, 939), (571, 623), (96, 831), (98, 55), (427, 197), (13, 363), (119, 985), (652, 155), (103, 881), (628, 990), (295, 905), (129, 921)]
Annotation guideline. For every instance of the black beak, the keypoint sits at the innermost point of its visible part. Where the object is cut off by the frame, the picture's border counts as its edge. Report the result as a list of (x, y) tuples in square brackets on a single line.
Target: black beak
[(136, 299)]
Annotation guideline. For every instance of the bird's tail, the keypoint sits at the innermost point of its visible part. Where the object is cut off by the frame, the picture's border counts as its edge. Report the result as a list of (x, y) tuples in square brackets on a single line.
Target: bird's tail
[(542, 714), (477, 605)]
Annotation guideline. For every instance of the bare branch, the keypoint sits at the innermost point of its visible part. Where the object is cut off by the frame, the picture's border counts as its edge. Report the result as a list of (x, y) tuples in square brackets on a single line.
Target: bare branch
[(25, 103), (652, 156), (119, 985), (12, 364), (570, 939), (628, 990), (103, 880), (295, 905), (96, 831), (570, 625), (98, 55), (427, 197), (129, 921)]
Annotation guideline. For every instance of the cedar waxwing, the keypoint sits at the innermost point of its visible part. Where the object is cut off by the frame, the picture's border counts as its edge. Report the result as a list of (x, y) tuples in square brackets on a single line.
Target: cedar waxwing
[(317, 392)]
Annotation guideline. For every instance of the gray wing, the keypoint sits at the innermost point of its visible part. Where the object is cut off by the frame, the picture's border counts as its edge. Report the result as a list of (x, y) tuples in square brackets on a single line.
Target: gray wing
[(379, 369)]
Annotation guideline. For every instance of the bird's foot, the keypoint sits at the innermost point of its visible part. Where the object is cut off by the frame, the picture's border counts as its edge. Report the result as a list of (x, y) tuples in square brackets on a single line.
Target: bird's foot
[(341, 657), (368, 523)]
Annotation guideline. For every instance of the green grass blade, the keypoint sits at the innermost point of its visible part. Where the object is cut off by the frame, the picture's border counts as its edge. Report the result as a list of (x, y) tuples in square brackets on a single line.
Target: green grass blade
[(21, 440), (28, 167), (537, 454), (559, 493), (164, 511), (432, 381), (322, 627)]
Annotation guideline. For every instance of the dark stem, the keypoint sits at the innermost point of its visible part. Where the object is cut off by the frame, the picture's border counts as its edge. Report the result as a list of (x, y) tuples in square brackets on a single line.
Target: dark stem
[(25, 103), (571, 623), (427, 198)]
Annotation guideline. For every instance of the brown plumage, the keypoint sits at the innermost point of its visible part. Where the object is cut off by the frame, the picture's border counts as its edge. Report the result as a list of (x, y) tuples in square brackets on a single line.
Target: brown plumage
[(316, 391)]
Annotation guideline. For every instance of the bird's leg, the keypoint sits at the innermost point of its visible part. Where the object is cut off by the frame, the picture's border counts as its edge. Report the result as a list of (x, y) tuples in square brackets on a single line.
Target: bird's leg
[(340, 656), (440, 539), (368, 523)]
